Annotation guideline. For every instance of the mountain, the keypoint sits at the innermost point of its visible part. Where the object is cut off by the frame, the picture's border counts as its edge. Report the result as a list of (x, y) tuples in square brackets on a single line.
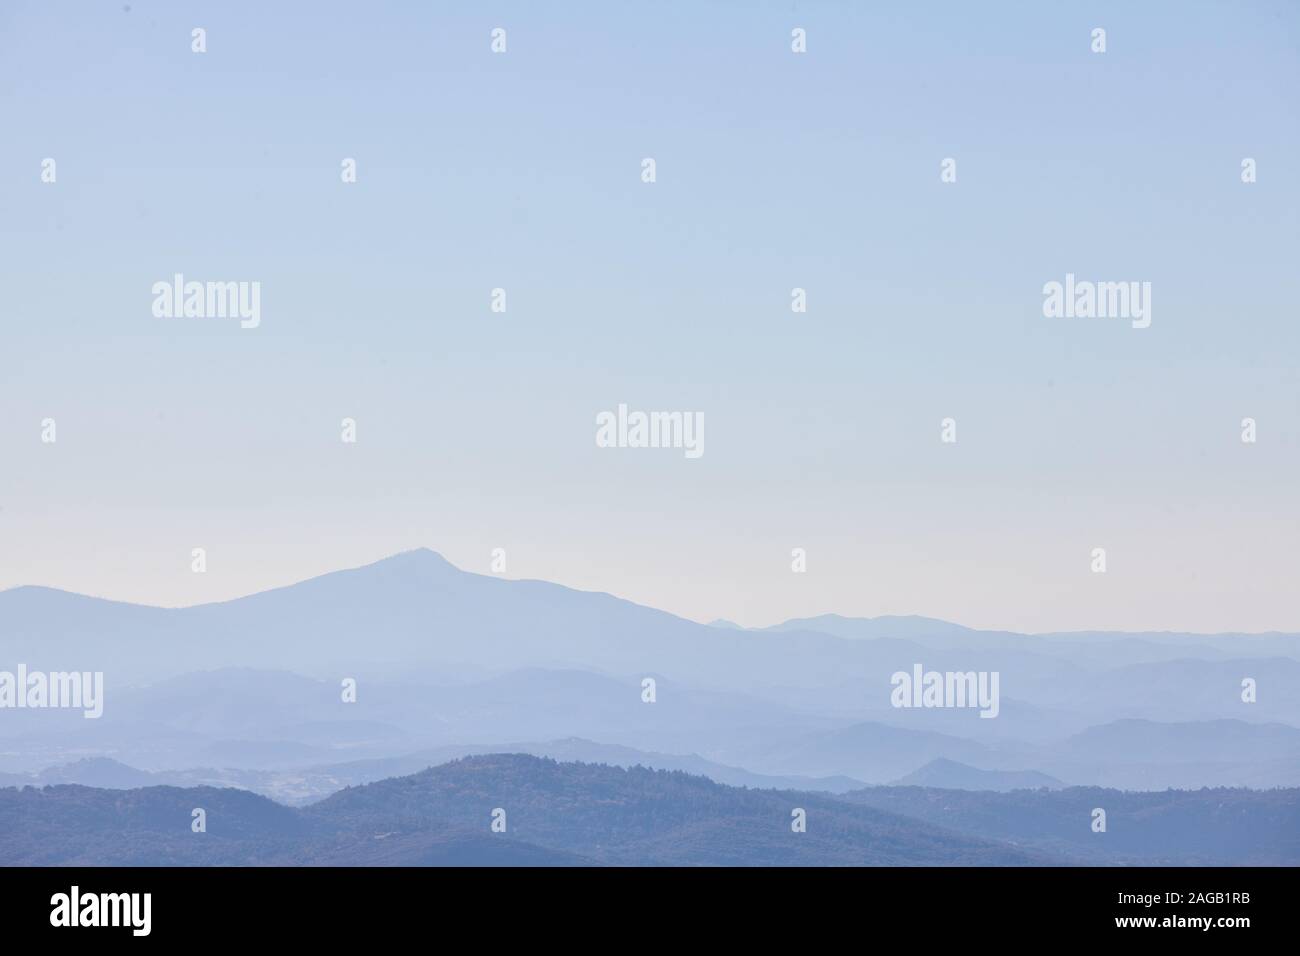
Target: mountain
[(446, 658), (568, 813), (1205, 827), (1106, 648), (909, 627), (410, 613), (89, 772), (561, 814), (571, 750), (1150, 755), (1160, 742), (950, 775), (1185, 690), (873, 752), (70, 825), (252, 719), (309, 784), (1127, 754), (417, 617), (641, 816)]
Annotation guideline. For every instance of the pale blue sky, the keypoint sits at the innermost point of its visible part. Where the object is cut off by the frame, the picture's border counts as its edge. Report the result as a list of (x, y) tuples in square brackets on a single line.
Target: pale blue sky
[(775, 170)]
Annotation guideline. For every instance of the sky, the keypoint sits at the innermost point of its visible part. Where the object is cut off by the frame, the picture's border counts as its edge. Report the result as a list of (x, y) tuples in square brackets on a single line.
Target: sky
[(522, 170)]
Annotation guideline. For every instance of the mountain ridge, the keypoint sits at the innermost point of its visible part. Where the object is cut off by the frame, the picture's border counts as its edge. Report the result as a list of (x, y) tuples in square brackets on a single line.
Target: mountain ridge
[(830, 623)]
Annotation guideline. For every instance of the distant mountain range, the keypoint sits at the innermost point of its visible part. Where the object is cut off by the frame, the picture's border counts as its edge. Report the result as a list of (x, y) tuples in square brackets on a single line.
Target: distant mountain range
[(309, 784), (1205, 827), (584, 814), (416, 610), (447, 663), (950, 775), (553, 813), (905, 628)]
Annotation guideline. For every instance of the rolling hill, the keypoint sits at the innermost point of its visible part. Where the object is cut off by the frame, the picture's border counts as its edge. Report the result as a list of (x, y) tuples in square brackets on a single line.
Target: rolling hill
[(568, 813), (589, 814)]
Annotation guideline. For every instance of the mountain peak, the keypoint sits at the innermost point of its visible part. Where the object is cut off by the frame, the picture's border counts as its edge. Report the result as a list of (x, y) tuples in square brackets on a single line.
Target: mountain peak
[(903, 627), (422, 557), (418, 562)]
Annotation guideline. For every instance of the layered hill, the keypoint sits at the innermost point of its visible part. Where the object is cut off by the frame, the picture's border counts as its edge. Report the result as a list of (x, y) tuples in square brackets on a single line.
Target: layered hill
[(569, 813)]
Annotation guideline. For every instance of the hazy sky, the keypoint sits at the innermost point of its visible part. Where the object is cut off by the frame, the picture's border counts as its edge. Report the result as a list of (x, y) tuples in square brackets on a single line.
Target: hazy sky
[(522, 170)]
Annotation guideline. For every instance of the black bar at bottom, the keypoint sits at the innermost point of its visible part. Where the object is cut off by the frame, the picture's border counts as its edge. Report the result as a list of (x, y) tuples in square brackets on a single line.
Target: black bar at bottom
[(214, 905)]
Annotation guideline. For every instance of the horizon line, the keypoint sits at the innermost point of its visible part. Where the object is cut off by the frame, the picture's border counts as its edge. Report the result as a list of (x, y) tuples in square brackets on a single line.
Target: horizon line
[(726, 623)]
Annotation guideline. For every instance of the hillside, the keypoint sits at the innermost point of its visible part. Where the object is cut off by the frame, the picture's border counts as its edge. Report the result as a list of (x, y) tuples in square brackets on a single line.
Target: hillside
[(641, 816), (555, 813), (1207, 827), (589, 814)]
